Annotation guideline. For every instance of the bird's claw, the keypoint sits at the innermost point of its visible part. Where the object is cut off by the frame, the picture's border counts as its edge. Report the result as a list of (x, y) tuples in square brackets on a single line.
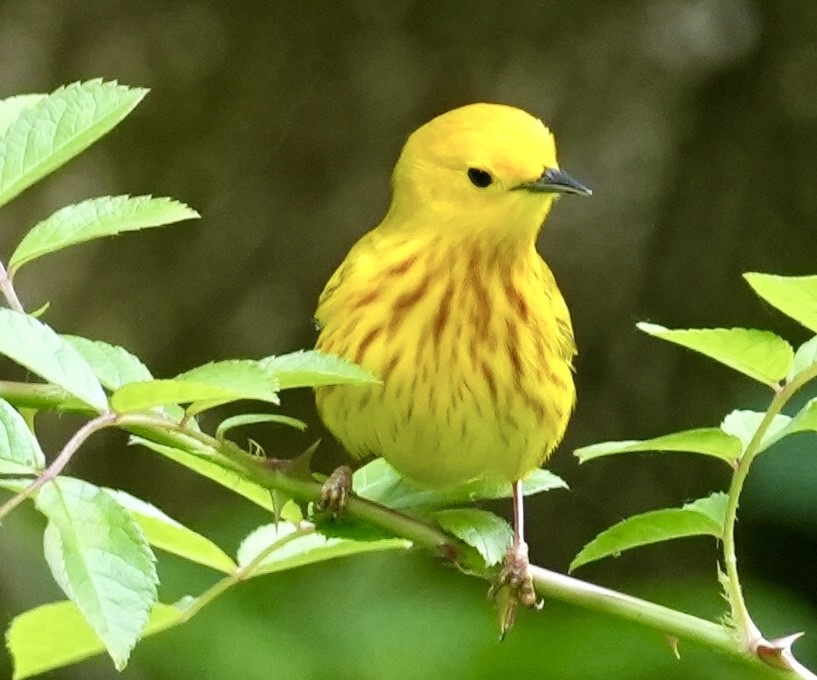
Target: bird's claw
[(514, 586), (336, 491), (516, 575)]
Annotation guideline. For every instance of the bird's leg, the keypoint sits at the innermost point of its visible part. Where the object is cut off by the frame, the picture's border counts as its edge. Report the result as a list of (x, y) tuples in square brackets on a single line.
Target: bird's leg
[(336, 491), (516, 570), (514, 585)]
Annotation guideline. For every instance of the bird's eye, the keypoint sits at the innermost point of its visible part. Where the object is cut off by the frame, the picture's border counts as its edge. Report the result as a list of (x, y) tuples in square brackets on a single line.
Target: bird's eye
[(480, 178)]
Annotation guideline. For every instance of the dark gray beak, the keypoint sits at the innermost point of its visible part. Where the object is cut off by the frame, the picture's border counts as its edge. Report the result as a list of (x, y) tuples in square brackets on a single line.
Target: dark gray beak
[(556, 181)]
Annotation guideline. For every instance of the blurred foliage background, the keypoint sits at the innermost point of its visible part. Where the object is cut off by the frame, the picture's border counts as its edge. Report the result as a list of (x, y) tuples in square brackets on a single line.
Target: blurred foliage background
[(694, 121)]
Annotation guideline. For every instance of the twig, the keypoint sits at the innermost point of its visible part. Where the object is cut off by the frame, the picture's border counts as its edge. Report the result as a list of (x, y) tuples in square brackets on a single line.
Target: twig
[(773, 652), (62, 459), (8, 291)]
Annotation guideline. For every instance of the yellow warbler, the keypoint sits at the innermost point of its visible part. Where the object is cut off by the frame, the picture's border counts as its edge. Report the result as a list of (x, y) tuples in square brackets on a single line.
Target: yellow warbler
[(448, 302)]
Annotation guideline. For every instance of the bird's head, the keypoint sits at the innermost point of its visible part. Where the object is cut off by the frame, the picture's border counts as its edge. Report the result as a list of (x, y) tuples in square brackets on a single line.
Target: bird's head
[(481, 167)]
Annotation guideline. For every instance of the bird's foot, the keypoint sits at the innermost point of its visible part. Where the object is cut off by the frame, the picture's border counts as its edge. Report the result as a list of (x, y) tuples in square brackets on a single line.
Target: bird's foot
[(516, 574), (514, 586), (336, 491)]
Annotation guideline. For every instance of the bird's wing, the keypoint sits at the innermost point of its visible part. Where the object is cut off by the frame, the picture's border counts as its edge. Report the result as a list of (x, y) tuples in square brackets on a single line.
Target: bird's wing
[(343, 273), (566, 339)]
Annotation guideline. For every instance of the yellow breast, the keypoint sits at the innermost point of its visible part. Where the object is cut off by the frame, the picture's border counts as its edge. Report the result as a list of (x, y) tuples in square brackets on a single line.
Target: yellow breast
[(474, 348)]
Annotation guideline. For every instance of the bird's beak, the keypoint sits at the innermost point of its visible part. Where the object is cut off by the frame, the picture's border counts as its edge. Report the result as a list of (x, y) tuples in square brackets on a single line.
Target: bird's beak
[(555, 181)]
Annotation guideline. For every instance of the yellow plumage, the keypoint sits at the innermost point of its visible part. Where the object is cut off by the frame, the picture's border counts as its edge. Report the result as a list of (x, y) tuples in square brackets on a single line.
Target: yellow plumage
[(449, 304)]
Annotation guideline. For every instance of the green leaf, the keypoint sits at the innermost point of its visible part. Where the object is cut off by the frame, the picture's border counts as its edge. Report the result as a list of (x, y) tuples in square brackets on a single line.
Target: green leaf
[(489, 534), (379, 482), (312, 369), (795, 296), (804, 358), (215, 383), (744, 425), (167, 534), (805, 420), (12, 107), (290, 547), (141, 396), (100, 558), (704, 516), (37, 347), (15, 484), (113, 365), (708, 441), (57, 128), (209, 466), (761, 355), (345, 527), (20, 452), (95, 218), (56, 635), (254, 418)]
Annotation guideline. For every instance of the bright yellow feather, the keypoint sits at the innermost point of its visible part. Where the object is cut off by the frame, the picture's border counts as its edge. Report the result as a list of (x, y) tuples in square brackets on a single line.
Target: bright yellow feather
[(448, 302)]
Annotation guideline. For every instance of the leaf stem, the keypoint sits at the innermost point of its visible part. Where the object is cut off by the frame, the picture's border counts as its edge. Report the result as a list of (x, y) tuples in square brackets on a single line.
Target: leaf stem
[(242, 573), (746, 628), (8, 291), (749, 633), (62, 459)]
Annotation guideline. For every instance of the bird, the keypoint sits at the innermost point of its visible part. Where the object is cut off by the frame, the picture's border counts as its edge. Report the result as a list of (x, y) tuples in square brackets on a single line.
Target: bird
[(448, 303)]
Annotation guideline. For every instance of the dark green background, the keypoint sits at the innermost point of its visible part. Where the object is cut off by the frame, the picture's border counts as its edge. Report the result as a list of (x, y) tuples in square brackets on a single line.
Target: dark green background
[(694, 121)]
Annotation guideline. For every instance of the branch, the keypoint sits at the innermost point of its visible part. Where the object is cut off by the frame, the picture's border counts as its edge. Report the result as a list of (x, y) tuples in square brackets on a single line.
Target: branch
[(774, 657), (777, 662)]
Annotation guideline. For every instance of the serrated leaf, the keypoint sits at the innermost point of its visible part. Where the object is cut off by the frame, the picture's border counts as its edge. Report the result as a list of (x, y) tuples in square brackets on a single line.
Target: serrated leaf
[(167, 534), (38, 348), (254, 418), (215, 383), (804, 358), (312, 369), (704, 516), (744, 425), (54, 553), (761, 355), (289, 548), (805, 420), (141, 396), (98, 553), (489, 534), (708, 441), (379, 482), (713, 507), (113, 365), (12, 107), (56, 635), (20, 452), (209, 466), (95, 218), (57, 128), (795, 296)]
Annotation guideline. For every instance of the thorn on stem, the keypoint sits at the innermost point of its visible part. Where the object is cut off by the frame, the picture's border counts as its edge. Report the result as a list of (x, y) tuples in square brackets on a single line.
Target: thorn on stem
[(777, 653), (672, 641)]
